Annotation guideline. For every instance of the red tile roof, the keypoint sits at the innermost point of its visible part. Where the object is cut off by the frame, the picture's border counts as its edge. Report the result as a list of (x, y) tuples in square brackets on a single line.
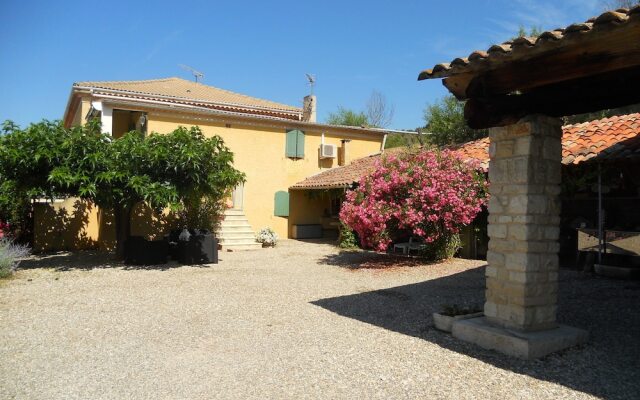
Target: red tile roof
[(180, 91), (345, 176), (523, 48), (610, 139)]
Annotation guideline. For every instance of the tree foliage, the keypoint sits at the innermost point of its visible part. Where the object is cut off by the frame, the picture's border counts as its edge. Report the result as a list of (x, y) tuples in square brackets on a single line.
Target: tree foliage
[(347, 117), (378, 113), (182, 170), (426, 194), (446, 125)]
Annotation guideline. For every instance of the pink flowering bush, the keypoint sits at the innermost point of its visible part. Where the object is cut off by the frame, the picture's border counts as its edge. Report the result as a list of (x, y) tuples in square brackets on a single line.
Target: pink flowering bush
[(427, 194)]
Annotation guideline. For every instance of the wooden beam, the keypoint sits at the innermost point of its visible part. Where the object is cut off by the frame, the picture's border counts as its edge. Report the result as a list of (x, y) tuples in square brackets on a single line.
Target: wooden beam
[(577, 56), (595, 93)]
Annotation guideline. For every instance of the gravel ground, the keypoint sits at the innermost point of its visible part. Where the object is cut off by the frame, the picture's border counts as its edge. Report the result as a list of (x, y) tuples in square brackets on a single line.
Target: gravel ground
[(298, 321)]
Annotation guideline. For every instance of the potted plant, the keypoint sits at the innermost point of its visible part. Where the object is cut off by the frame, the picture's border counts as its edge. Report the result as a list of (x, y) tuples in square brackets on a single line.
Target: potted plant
[(267, 237), (450, 313), (196, 242), (140, 251)]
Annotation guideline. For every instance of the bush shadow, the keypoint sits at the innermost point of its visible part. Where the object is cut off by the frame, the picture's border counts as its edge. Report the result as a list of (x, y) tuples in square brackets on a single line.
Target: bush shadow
[(87, 260)]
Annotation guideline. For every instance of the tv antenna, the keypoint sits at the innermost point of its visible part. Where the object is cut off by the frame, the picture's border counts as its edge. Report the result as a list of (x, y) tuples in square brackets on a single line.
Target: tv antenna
[(197, 75), (312, 81)]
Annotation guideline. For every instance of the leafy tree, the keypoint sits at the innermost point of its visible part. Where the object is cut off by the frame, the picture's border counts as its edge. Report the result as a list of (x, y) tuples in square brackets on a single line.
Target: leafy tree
[(378, 114), (426, 194), (178, 170), (402, 140), (27, 157), (347, 117), (446, 125), (182, 170)]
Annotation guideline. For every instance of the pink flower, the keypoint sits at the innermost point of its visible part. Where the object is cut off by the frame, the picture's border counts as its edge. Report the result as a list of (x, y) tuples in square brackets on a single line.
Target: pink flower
[(428, 193)]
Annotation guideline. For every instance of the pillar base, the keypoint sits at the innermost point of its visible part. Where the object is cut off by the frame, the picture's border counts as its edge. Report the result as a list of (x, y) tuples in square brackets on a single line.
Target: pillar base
[(525, 345)]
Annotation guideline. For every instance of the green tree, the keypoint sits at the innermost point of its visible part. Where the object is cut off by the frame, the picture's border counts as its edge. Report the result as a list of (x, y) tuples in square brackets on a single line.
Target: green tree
[(446, 125), (180, 170), (378, 113), (27, 158), (344, 116)]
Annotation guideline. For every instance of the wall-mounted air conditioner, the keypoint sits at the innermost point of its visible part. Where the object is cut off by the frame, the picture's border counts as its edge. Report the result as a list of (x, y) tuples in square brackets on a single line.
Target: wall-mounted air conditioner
[(328, 151)]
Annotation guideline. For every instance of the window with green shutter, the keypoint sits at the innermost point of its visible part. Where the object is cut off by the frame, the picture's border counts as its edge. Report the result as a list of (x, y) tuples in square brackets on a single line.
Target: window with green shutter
[(281, 208), (295, 143)]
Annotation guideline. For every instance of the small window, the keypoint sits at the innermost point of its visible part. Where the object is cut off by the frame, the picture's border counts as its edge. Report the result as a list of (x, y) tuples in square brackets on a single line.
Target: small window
[(281, 208), (295, 143)]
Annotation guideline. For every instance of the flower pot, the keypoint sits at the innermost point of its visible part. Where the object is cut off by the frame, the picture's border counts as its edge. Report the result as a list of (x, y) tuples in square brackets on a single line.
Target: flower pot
[(139, 251), (445, 322), (199, 249)]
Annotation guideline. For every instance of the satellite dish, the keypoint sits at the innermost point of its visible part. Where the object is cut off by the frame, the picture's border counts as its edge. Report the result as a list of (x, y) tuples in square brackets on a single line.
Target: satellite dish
[(196, 74)]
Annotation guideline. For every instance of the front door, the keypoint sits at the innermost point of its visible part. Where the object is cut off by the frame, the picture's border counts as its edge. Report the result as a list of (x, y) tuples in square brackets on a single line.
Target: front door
[(237, 197)]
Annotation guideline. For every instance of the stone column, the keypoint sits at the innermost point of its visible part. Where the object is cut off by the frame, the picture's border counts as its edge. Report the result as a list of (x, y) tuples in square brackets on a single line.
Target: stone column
[(524, 209)]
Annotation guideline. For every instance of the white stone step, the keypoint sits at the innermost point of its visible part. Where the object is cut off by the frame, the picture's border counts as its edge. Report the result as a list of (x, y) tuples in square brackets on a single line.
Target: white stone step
[(237, 240), (234, 212), (235, 234), (235, 217)]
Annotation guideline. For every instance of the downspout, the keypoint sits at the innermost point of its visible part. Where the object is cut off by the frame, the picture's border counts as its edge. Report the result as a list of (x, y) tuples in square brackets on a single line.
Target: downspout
[(600, 216), (384, 142)]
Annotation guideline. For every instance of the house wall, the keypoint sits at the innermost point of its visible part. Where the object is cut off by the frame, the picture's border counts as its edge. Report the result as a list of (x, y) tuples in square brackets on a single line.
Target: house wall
[(259, 152)]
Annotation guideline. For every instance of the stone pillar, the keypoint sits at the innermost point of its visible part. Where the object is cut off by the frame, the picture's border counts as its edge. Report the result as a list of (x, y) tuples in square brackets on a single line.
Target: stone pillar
[(524, 209)]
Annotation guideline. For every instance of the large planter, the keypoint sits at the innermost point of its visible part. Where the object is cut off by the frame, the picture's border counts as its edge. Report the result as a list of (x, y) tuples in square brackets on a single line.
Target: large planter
[(139, 251), (199, 249), (445, 322)]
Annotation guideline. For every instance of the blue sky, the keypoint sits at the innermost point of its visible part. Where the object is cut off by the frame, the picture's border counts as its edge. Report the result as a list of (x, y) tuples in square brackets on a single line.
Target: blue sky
[(258, 48)]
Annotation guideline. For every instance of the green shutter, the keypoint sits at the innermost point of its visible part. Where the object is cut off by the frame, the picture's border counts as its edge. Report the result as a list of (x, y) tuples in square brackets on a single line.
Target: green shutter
[(292, 142), (295, 143), (300, 145), (281, 208)]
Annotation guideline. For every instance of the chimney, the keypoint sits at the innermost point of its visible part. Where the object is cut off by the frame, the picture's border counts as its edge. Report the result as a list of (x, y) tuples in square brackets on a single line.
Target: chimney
[(344, 155), (309, 109)]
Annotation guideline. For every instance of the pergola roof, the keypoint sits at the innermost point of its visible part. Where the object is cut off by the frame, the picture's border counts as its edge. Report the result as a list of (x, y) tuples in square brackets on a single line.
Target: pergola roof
[(522, 48), (581, 68)]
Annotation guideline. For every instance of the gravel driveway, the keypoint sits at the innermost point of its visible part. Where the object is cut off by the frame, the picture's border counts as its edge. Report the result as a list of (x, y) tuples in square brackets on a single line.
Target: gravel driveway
[(298, 321)]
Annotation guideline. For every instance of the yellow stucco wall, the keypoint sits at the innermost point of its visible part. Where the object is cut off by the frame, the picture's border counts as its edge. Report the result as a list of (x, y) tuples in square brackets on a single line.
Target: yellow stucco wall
[(259, 152)]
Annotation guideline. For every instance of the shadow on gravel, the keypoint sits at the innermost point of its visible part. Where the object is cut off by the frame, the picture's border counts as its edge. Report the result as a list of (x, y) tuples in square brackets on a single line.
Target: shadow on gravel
[(88, 260), (608, 366), (358, 259)]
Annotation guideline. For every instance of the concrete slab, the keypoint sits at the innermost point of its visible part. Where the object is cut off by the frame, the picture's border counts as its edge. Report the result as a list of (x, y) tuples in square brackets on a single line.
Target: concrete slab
[(525, 345)]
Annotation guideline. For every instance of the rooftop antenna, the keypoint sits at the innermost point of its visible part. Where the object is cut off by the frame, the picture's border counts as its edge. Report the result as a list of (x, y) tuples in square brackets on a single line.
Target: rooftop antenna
[(312, 81), (196, 74)]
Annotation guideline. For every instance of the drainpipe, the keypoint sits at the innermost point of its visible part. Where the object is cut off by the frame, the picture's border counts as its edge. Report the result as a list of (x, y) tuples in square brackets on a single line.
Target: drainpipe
[(384, 142), (600, 216)]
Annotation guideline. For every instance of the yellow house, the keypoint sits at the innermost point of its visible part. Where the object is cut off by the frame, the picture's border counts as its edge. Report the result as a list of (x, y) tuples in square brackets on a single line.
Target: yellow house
[(274, 144)]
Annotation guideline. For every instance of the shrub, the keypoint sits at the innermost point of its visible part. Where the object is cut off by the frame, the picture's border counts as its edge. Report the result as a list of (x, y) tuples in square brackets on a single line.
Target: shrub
[(443, 248), (427, 194), (347, 239), (267, 237), (10, 255)]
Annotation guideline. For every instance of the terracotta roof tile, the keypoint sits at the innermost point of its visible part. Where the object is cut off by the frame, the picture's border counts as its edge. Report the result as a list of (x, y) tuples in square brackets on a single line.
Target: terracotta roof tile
[(521, 47), (176, 90), (611, 138)]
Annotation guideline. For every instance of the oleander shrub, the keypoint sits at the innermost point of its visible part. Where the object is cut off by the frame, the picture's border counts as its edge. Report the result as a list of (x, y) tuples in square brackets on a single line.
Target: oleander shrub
[(425, 194)]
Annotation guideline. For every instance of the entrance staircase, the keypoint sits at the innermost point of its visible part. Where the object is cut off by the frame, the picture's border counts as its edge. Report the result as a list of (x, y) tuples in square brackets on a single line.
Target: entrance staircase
[(235, 233)]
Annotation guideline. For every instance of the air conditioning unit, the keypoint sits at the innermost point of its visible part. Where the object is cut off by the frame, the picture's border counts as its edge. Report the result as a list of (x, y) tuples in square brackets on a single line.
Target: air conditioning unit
[(328, 151)]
